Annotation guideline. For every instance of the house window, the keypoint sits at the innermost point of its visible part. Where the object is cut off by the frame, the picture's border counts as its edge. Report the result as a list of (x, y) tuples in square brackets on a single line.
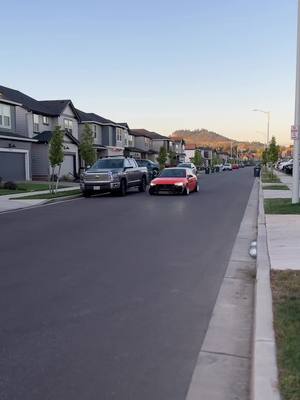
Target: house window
[(5, 116), (130, 140), (94, 129), (147, 142), (45, 120), (35, 123), (119, 135), (68, 125)]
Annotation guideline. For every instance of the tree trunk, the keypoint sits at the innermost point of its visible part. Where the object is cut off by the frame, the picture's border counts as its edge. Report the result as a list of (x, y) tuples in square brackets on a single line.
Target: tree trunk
[(57, 180)]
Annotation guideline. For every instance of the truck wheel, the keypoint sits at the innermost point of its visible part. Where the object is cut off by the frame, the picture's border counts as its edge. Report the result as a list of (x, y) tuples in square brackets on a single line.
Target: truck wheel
[(87, 193), (123, 188), (154, 173), (143, 185)]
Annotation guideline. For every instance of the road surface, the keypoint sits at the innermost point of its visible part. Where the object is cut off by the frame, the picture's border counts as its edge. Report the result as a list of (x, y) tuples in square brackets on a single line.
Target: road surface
[(110, 298)]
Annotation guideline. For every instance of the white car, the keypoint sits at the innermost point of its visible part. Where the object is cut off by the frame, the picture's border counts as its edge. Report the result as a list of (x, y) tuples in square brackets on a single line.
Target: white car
[(189, 166), (227, 167), (284, 164)]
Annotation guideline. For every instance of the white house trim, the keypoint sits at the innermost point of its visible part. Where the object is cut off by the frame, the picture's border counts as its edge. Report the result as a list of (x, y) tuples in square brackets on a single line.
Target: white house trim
[(26, 152), (19, 138)]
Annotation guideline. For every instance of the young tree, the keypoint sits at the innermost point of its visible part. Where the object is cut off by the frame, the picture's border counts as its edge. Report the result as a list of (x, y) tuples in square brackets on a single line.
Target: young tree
[(172, 158), (265, 157), (197, 159), (87, 151), (162, 157), (56, 156), (273, 153)]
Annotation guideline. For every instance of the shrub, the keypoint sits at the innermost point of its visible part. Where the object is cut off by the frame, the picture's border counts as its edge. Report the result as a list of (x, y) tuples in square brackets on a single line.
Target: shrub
[(10, 185)]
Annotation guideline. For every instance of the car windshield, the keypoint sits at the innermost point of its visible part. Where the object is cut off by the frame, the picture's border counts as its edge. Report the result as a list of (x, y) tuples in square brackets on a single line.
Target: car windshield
[(173, 173), (108, 163)]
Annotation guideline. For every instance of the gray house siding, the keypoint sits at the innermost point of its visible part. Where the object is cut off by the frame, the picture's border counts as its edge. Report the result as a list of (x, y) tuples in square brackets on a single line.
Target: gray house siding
[(40, 163), (21, 121)]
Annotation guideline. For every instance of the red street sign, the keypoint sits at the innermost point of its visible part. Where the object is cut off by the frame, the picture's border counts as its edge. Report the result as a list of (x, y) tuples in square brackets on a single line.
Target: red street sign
[(294, 132)]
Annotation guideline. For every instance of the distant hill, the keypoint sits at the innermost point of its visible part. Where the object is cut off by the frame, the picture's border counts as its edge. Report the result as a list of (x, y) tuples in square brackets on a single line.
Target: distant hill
[(205, 138)]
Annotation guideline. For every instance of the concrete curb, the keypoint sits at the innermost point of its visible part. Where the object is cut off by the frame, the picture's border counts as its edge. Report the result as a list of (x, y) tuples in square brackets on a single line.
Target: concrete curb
[(264, 374)]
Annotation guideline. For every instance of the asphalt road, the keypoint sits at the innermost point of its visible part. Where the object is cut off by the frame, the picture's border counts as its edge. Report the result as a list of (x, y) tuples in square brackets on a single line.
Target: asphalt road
[(110, 298)]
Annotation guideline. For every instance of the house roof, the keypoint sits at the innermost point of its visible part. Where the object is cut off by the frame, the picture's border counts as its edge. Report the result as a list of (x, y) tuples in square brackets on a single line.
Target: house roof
[(45, 107), (15, 136), (45, 137), (92, 117), (190, 147), (21, 98), (148, 134)]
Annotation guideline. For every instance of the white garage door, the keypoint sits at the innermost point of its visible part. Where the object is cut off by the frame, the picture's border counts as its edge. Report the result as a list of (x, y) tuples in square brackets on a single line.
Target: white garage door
[(67, 167)]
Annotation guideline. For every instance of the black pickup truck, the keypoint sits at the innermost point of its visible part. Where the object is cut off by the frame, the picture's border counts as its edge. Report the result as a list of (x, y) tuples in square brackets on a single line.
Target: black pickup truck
[(115, 175)]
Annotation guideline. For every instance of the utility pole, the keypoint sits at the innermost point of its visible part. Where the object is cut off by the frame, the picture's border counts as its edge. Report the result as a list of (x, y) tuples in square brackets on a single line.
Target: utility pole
[(295, 191)]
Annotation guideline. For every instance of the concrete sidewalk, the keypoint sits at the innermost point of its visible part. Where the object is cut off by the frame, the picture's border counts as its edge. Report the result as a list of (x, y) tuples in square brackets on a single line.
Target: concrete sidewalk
[(8, 202), (223, 367), (283, 231)]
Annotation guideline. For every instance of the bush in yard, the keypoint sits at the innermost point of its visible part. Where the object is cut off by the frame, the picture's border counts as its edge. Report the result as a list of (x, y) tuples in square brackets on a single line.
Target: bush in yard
[(9, 185)]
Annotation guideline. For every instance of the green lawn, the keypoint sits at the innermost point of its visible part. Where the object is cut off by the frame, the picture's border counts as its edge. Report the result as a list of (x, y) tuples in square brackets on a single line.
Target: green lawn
[(51, 196), (281, 206), (286, 308), (275, 187), (27, 187), (268, 177)]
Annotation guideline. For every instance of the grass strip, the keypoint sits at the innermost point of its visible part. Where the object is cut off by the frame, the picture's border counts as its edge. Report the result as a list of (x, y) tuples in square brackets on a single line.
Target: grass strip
[(275, 187), (46, 196), (25, 187), (281, 206), (286, 308)]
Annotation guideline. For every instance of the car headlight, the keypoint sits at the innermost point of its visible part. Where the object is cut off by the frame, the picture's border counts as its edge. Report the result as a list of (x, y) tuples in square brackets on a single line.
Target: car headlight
[(152, 184), (178, 184)]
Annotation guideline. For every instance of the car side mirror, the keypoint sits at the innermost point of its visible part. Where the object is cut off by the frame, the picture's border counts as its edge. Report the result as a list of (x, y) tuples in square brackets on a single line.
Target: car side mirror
[(88, 167), (190, 176)]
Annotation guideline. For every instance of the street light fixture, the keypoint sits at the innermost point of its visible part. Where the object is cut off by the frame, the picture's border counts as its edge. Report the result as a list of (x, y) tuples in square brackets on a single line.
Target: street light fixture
[(267, 113)]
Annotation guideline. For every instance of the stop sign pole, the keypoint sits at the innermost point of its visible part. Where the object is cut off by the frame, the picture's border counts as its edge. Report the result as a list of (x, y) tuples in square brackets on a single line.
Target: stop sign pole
[(295, 128)]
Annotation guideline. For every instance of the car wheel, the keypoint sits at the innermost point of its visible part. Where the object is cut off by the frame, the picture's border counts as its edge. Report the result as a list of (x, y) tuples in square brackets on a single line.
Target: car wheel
[(87, 193), (197, 188), (123, 188), (143, 185), (186, 191), (154, 173)]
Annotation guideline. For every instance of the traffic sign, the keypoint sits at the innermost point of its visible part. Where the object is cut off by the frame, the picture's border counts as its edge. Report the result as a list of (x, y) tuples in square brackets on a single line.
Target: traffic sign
[(294, 132)]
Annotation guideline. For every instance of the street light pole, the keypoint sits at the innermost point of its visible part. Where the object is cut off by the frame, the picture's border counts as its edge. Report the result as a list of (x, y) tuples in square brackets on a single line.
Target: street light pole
[(295, 190), (268, 113)]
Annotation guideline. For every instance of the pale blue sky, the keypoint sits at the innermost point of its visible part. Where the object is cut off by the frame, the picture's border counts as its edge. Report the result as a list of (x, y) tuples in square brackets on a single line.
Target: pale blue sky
[(161, 65)]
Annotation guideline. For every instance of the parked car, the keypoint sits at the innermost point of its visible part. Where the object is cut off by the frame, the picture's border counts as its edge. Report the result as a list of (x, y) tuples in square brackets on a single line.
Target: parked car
[(235, 166), (281, 166), (152, 167), (188, 165), (113, 174), (176, 181), (227, 167)]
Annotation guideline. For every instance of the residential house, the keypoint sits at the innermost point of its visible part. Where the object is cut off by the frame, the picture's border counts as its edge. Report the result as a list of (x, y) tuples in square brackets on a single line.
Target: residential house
[(143, 144), (178, 146), (15, 140), (36, 120), (190, 152)]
